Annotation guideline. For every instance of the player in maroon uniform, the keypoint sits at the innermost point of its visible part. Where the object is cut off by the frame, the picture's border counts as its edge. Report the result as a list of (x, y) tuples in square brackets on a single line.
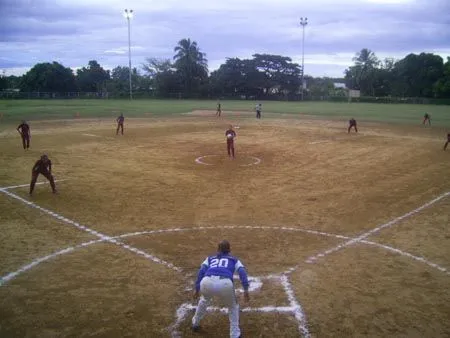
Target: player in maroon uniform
[(230, 135), (42, 166), (448, 141), (120, 121), (426, 118), (352, 124), (25, 132), (219, 109)]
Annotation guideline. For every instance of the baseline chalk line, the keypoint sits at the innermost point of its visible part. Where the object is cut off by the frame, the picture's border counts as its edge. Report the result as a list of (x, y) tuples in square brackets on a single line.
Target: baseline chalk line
[(27, 185), (10, 276), (396, 220), (101, 236)]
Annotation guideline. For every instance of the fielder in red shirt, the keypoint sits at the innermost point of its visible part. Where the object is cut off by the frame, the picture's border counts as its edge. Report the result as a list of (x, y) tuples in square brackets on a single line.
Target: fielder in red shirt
[(230, 135), (448, 141), (120, 121), (42, 166), (25, 132)]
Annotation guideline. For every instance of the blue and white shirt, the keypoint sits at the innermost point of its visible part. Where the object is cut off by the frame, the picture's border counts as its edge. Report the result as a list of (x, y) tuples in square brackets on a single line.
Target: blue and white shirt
[(224, 266)]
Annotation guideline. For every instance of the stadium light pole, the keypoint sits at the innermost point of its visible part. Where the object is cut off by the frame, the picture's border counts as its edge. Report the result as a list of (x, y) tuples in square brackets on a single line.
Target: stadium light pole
[(303, 23), (128, 14)]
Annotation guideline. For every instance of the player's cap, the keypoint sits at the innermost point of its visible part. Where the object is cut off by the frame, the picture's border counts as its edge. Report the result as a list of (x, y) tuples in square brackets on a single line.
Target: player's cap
[(224, 247)]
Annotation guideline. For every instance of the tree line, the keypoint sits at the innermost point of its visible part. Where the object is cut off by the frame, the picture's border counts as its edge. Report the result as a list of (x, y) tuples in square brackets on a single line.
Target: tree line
[(264, 76)]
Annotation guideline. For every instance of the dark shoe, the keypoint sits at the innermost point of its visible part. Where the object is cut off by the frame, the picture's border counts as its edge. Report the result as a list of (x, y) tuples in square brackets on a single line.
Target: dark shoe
[(195, 328)]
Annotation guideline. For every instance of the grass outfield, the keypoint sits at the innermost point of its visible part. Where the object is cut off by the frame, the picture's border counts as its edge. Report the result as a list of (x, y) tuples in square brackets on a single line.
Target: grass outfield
[(12, 111)]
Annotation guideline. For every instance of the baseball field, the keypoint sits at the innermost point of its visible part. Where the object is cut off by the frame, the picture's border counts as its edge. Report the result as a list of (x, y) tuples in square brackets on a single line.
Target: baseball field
[(343, 234)]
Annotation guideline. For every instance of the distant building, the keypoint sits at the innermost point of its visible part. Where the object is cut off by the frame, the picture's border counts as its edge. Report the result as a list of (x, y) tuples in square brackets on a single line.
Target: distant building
[(338, 85)]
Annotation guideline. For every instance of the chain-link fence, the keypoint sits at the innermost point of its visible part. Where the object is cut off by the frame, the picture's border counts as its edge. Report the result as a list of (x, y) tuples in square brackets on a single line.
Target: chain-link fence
[(180, 96)]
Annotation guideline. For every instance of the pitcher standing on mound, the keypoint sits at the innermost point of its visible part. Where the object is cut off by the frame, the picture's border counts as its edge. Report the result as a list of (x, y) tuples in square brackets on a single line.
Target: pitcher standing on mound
[(230, 135)]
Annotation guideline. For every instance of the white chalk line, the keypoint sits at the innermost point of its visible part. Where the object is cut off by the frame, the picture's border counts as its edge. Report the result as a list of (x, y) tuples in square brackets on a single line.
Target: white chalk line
[(314, 232), (256, 160), (273, 228), (407, 254), (171, 230), (12, 275), (101, 236), (329, 141), (298, 312), (266, 309), (322, 141), (294, 308), (27, 185), (327, 252), (104, 137)]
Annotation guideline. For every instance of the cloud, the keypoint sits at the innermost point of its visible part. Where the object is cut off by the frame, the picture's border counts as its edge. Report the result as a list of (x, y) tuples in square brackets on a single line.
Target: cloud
[(75, 32)]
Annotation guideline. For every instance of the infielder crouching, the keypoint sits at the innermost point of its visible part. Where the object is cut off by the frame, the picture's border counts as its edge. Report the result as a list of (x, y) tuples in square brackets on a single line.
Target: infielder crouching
[(215, 280), (42, 166)]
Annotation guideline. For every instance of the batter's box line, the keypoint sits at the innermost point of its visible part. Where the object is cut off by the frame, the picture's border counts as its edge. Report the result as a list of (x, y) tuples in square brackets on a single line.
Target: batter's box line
[(265, 309), (294, 308)]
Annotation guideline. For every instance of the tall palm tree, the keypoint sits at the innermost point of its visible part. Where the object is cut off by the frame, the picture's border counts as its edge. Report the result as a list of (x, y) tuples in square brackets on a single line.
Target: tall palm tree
[(366, 62), (191, 63)]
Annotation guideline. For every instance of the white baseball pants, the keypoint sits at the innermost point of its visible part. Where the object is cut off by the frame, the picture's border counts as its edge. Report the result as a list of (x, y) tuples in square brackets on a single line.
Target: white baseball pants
[(215, 287)]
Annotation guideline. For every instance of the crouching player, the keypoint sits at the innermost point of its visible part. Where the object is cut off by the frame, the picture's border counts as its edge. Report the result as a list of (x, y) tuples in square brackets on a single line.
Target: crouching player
[(42, 166), (352, 124), (230, 135), (215, 280)]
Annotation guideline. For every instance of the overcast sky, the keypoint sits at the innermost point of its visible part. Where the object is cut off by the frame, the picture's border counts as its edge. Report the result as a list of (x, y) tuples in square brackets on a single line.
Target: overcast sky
[(73, 32)]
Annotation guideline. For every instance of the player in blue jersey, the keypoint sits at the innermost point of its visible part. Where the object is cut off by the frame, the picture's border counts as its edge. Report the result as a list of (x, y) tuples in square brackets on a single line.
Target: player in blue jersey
[(215, 280)]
